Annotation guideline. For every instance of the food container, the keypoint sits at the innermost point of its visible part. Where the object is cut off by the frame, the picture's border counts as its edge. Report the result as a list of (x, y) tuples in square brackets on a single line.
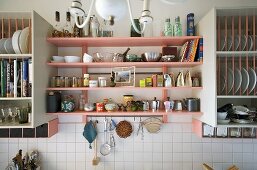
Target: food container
[(93, 83), (72, 59), (102, 81), (100, 107), (127, 98)]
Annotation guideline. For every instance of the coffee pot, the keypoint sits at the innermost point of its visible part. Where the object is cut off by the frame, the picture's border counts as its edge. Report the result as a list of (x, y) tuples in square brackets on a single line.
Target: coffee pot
[(168, 104), (155, 105), (167, 80), (192, 104), (178, 105)]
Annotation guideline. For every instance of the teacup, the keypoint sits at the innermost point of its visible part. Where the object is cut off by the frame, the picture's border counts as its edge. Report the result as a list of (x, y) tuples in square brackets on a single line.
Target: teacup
[(87, 58)]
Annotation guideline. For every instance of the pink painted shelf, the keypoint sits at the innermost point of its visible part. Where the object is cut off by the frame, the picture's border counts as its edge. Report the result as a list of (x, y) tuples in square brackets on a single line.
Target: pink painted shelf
[(120, 88), (120, 41), (126, 64), (120, 113)]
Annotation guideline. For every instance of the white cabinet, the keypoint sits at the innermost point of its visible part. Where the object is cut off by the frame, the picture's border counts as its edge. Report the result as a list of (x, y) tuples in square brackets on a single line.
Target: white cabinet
[(37, 50), (229, 69)]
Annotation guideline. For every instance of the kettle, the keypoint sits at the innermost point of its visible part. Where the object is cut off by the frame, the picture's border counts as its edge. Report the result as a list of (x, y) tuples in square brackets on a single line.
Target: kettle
[(155, 105), (192, 104)]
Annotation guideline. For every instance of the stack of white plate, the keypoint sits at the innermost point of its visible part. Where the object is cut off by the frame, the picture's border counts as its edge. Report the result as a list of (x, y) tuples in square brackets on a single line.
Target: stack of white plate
[(18, 44)]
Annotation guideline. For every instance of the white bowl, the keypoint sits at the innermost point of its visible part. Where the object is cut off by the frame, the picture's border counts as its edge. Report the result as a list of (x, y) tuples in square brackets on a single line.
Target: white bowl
[(58, 58), (222, 115), (72, 59)]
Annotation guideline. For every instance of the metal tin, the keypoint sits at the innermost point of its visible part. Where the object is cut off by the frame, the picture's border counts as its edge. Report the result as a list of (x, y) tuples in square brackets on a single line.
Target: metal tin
[(127, 98), (190, 24), (93, 83), (99, 107), (102, 81)]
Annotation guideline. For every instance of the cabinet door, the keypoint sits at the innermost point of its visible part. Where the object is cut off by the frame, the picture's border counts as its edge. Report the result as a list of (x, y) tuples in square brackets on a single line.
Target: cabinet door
[(207, 28)]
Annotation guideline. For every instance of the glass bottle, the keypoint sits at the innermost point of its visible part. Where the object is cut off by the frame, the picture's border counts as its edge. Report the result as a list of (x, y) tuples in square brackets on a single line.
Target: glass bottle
[(177, 27), (68, 29), (86, 80), (81, 102), (94, 26), (168, 28), (57, 27)]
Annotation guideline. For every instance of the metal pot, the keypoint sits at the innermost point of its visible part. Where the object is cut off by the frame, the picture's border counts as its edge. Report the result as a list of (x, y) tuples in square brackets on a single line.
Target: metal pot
[(178, 105), (192, 104), (155, 105)]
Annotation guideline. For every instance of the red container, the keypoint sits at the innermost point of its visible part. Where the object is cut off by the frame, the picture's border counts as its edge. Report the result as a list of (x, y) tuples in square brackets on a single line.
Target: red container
[(99, 107)]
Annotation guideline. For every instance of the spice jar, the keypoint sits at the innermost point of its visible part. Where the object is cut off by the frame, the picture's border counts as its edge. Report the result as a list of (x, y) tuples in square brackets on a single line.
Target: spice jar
[(57, 81), (86, 80), (102, 81), (100, 107), (74, 82)]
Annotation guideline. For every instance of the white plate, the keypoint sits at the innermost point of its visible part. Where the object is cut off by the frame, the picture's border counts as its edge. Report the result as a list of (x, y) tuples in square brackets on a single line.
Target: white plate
[(24, 41), (2, 49), (223, 41), (237, 40), (223, 82), (230, 79), (245, 80), (8, 46), (243, 42), (15, 41), (243, 121), (225, 121), (250, 42), (237, 79), (230, 43), (252, 81)]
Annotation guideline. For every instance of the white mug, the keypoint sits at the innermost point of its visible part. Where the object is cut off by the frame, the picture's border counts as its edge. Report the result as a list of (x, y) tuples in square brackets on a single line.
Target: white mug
[(87, 58)]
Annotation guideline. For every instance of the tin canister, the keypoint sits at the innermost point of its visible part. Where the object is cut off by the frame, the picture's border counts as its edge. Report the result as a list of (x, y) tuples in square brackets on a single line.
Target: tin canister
[(100, 107), (127, 98)]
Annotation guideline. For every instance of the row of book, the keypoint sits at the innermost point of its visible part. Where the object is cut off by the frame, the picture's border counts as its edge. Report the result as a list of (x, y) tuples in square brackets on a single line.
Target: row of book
[(16, 77), (192, 51)]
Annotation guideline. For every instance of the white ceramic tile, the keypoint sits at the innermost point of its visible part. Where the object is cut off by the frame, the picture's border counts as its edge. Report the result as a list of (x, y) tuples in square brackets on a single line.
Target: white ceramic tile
[(61, 147), (228, 157), (207, 157), (52, 138), (32, 146), (167, 137), (80, 165), (248, 147), (3, 158), (138, 165), (167, 166), (177, 165), (237, 157), (119, 157), (79, 127), (217, 157), (207, 147), (51, 157), (195, 138), (24, 147), (128, 156), (187, 147), (148, 157), (61, 137), (157, 147), (80, 157), (148, 165), (148, 147), (13, 140), (3, 147), (70, 165), (167, 147), (177, 127), (177, 157), (247, 157), (138, 156), (167, 157), (148, 137), (187, 157), (177, 147), (227, 147), (23, 140), (4, 140), (119, 165), (71, 147), (80, 137), (217, 147), (138, 147), (197, 157), (197, 165), (187, 137), (157, 165), (248, 166), (187, 128), (61, 157), (187, 165), (237, 147), (129, 147), (197, 147), (157, 137), (90, 156), (157, 157), (81, 147), (70, 128), (13, 148), (51, 147), (70, 137), (217, 166), (177, 137)]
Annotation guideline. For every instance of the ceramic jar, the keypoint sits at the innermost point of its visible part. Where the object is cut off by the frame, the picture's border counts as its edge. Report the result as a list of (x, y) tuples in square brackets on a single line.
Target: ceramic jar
[(68, 104)]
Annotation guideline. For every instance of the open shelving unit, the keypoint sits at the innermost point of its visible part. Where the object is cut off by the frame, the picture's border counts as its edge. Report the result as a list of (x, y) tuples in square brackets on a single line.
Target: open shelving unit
[(87, 42)]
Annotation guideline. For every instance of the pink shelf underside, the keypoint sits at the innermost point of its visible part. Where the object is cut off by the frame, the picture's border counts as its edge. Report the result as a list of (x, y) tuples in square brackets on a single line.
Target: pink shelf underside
[(122, 64), (120, 41), (117, 88)]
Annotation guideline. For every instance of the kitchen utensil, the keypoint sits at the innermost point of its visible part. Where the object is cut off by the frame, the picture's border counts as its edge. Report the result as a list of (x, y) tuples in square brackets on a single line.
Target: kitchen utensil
[(151, 56), (188, 79), (90, 132), (87, 58), (192, 104), (72, 59), (242, 121), (152, 125), (225, 107), (124, 129), (53, 102), (24, 41), (105, 147), (252, 79), (155, 105), (112, 140), (245, 80), (121, 57), (238, 79), (88, 107), (241, 110), (222, 115), (96, 159), (103, 57), (207, 167), (145, 105), (178, 105)]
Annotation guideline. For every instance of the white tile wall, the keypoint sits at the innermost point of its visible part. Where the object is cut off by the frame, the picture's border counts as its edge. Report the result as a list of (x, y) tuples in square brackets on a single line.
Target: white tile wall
[(174, 148)]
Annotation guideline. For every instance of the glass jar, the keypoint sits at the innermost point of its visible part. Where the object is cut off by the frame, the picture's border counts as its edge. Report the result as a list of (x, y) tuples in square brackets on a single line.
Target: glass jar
[(102, 81), (68, 103), (68, 29), (86, 80), (177, 27), (168, 28), (81, 102)]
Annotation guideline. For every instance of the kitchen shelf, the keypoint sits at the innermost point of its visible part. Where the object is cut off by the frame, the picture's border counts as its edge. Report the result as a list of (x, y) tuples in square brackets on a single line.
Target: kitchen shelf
[(120, 88), (120, 41), (120, 113), (232, 124), (237, 96), (236, 53), (14, 56), (15, 98), (17, 125), (126, 64)]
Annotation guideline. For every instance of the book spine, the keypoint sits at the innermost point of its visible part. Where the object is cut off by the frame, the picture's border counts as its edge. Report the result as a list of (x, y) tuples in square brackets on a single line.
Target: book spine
[(3, 77), (15, 78), (21, 79), (25, 78), (199, 53), (30, 78), (8, 79), (194, 48)]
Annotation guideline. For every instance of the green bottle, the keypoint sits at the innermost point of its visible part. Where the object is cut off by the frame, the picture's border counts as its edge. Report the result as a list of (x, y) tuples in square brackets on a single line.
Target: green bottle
[(177, 27), (168, 28)]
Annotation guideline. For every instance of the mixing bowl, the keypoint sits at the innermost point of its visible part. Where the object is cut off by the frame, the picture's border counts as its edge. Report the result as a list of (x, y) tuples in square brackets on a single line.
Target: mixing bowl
[(72, 59), (103, 57), (222, 115), (151, 56)]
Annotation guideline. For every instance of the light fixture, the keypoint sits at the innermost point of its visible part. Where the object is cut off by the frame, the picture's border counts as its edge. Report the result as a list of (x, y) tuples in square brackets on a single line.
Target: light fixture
[(111, 10)]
